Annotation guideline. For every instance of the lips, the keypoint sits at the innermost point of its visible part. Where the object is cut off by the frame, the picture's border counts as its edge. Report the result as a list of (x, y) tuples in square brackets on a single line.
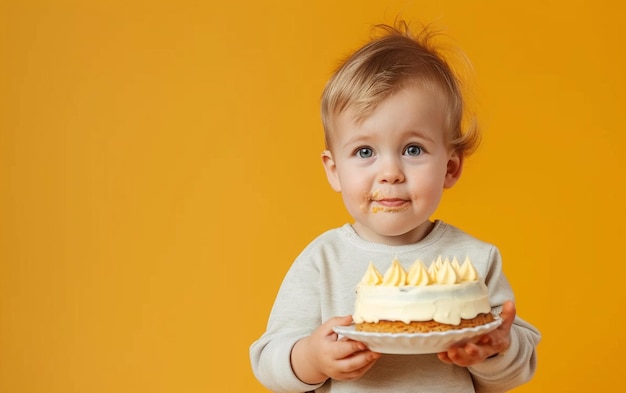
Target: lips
[(389, 205), (391, 202), (381, 202)]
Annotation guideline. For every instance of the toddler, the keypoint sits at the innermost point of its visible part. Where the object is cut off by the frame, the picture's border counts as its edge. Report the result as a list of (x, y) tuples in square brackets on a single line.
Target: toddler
[(396, 137)]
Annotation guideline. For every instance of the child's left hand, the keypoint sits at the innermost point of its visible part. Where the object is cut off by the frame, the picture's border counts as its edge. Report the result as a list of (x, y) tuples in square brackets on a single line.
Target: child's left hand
[(490, 344)]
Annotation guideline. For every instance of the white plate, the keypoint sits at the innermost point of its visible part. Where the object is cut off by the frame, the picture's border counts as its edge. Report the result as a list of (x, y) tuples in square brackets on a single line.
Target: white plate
[(415, 343)]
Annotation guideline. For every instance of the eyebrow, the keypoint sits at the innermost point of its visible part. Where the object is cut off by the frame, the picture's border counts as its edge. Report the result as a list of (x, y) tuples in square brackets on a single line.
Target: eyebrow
[(421, 135), (410, 133)]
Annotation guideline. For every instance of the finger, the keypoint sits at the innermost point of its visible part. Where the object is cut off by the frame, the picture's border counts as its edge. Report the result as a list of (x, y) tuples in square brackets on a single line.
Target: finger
[(443, 356), (347, 348), (484, 340), (359, 371), (345, 320), (358, 361), (472, 350), (508, 315), (327, 327), (369, 365), (466, 356)]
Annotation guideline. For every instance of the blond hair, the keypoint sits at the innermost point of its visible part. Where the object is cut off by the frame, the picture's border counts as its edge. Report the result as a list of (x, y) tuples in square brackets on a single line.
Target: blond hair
[(390, 62)]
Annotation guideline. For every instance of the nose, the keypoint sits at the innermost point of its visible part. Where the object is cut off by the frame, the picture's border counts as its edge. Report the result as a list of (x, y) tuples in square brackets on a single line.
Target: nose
[(390, 171)]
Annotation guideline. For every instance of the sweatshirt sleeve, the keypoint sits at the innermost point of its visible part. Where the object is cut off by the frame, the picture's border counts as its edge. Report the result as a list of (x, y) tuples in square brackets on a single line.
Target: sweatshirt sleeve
[(517, 365), (513, 368), (295, 314)]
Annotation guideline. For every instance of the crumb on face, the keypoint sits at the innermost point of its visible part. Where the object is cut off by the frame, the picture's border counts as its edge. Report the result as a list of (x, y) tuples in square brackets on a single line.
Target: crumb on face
[(377, 209)]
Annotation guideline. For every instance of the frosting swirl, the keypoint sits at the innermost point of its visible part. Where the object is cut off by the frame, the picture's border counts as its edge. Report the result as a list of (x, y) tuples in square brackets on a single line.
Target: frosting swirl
[(467, 271), (446, 274), (395, 275), (418, 275), (441, 272), (372, 276)]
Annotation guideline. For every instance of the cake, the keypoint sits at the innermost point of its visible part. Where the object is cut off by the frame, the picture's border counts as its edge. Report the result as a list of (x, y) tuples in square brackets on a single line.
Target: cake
[(443, 297)]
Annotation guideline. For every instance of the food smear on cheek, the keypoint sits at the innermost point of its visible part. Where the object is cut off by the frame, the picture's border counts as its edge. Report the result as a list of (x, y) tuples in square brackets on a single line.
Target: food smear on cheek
[(367, 200)]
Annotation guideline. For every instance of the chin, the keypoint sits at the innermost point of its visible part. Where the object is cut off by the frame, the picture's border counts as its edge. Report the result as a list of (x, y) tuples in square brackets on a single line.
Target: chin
[(393, 232), (399, 233)]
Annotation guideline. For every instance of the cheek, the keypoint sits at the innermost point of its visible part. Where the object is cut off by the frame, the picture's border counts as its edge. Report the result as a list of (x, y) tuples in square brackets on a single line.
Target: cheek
[(355, 188), (352, 180), (427, 184)]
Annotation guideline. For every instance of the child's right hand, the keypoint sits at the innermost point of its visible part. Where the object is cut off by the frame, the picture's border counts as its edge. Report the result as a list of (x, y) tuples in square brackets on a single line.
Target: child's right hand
[(322, 355)]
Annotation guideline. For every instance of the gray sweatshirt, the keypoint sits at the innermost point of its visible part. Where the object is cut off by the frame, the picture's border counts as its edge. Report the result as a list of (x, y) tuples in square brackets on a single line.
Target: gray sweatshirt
[(321, 284)]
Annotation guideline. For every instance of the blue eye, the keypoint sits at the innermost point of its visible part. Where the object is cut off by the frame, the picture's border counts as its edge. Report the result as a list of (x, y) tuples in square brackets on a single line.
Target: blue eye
[(413, 150), (365, 152)]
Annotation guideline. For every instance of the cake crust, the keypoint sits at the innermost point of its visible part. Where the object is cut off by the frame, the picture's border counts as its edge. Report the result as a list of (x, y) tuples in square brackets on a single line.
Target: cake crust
[(421, 326)]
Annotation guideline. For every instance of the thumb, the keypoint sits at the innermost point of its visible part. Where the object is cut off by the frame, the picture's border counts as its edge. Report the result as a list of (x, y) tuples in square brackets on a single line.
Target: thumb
[(507, 314), (338, 321), (326, 329)]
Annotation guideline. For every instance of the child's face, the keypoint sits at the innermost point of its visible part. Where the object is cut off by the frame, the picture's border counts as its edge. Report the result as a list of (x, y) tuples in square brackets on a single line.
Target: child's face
[(392, 167)]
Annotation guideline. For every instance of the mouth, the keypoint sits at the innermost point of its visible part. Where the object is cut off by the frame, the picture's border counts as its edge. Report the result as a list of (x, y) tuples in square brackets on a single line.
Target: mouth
[(390, 202), (390, 205)]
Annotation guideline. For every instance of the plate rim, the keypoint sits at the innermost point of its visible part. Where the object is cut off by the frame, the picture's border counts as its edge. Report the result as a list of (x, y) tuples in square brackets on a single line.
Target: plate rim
[(418, 343)]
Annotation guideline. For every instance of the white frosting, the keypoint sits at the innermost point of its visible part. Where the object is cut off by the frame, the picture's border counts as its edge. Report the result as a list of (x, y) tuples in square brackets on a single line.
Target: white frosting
[(443, 297)]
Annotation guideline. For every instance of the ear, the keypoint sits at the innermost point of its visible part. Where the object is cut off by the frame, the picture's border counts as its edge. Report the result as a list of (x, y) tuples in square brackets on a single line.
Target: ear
[(454, 170), (331, 170)]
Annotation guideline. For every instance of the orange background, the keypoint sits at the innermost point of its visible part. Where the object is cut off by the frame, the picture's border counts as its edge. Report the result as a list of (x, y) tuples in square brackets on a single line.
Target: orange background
[(159, 172)]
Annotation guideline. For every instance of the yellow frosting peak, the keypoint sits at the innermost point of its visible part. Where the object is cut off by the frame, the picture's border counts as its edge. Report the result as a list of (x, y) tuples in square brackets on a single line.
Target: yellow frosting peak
[(446, 274), (418, 275), (441, 271), (372, 276), (395, 275), (455, 264), (432, 270), (467, 271)]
